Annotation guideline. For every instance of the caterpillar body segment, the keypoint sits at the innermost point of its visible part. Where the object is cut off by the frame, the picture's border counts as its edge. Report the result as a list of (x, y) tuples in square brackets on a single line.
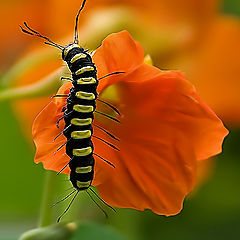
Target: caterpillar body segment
[(78, 116)]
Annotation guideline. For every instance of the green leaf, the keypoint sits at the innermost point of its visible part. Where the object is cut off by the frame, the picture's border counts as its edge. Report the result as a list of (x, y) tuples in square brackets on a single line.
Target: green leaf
[(93, 231), (60, 231), (231, 7)]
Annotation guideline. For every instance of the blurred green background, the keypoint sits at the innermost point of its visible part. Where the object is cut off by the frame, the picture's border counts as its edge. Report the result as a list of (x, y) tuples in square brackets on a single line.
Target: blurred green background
[(212, 212)]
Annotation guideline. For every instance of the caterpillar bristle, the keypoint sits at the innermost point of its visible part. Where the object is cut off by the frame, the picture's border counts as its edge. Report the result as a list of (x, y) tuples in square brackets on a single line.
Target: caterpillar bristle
[(107, 132), (106, 161), (109, 144), (105, 213), (102, 200), (109, 105), (108, 116)]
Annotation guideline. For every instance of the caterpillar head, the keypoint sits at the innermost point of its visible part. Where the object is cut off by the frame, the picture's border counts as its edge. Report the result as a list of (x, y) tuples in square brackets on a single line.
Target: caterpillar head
[(69, 48)]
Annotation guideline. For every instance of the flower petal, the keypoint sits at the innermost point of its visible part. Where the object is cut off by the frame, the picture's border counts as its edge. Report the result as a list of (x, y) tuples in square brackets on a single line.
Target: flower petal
[(118, 52), (45, 130), (203, 126), (165, 128), (174, 100), (151, 174)]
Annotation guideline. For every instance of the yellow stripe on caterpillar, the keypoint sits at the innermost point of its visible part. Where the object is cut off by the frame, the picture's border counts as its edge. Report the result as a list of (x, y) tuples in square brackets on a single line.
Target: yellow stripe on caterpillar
[(78, 56), (81, 134), (81, 152), (83, 108), (83, 184), (85, 95), (89, 80), (83, 169), (84, 69), (81, 122), (70, 47)]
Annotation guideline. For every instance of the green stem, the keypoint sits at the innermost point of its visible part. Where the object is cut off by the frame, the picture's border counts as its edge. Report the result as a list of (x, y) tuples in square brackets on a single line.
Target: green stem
[(27, 62), (44, 87), (48, 198)]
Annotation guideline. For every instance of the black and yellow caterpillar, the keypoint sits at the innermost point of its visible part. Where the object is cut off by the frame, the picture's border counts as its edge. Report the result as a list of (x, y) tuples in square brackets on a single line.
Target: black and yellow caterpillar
[(78, 116), (79, 112)]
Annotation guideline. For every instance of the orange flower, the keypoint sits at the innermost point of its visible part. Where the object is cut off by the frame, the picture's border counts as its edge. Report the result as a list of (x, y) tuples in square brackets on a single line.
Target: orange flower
[(214, 66), (165, 129)]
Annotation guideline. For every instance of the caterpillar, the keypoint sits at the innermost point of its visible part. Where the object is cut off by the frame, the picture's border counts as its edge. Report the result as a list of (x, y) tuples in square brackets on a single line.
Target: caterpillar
[(78, 114)]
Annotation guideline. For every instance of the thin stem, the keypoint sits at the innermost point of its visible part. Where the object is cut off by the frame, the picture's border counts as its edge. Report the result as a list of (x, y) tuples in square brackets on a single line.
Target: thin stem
[(44, 87), (31, 61), (48, 199)]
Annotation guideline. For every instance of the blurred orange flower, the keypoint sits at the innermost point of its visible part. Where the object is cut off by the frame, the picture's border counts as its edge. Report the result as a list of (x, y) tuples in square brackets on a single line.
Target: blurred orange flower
[(12, 14), (45, 17), (213, 66), (165, 129)]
